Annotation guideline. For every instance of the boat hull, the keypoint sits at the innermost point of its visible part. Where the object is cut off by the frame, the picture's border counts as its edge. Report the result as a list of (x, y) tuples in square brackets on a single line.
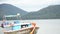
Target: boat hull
[(24, 31)]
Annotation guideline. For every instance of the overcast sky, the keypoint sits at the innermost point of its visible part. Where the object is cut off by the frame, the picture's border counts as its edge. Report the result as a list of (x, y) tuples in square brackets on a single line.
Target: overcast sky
[(31, 5)]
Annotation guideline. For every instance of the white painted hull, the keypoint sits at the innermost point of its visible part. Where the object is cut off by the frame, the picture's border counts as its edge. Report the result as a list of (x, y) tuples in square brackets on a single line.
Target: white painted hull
[(24, 31)]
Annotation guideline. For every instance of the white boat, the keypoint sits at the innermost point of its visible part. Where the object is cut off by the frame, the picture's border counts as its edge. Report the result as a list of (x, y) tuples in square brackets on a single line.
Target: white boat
[(20, 28)]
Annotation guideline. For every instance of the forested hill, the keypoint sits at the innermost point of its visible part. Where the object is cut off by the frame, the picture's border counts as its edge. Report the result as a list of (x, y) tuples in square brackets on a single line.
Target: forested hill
[(8, 9), (50, 12)]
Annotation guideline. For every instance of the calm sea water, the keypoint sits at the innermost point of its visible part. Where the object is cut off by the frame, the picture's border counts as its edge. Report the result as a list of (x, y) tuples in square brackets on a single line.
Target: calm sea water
[(48, 26)]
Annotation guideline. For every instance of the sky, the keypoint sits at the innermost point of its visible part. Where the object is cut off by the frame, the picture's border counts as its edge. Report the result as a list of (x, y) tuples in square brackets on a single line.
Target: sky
[(31, 5)]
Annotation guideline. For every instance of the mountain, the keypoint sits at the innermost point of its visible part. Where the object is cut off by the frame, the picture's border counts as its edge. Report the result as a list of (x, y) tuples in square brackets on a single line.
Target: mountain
[(7, 9), (50, 12)]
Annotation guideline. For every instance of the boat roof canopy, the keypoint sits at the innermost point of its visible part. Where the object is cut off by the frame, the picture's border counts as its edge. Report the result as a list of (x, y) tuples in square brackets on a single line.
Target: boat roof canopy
[(10, 16), (18, 14)]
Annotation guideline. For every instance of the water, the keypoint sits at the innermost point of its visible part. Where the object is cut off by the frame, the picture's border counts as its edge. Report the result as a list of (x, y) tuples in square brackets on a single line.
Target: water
[(48, 26)]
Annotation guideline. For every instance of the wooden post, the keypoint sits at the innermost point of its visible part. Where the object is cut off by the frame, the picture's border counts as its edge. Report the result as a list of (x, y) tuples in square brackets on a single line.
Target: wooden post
[(34, 24)]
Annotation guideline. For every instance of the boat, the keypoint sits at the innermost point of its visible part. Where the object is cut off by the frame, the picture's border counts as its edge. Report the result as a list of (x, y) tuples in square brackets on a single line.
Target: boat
[(16, 27)]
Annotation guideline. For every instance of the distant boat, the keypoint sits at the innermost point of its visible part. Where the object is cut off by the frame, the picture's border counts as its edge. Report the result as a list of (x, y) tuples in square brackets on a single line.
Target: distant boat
[(19, 28)]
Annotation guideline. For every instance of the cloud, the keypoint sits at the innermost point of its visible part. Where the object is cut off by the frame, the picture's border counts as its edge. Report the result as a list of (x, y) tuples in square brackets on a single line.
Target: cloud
[(2, 0)]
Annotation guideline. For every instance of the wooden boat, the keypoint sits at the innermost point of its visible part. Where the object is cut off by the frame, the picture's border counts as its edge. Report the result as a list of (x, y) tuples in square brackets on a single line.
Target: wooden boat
[(20, 28), (22, 31)]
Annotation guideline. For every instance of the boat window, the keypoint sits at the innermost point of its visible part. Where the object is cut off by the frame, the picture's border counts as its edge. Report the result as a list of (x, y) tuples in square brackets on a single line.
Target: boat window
[(16, 22), (25, 25)]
